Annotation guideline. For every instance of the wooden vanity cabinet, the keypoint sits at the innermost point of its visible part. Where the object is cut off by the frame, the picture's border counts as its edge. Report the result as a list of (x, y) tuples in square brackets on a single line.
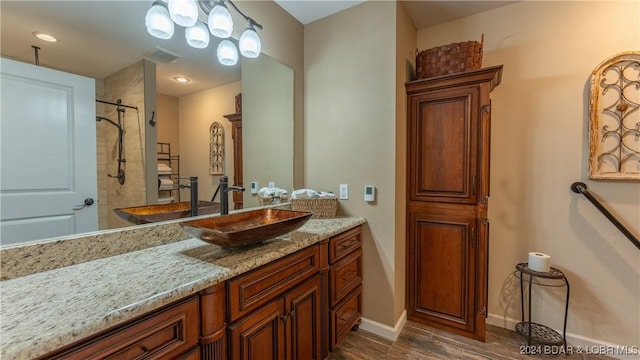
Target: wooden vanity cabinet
[(275, 311), (170, 333), (296, 307), (288, 327), (345, 284)]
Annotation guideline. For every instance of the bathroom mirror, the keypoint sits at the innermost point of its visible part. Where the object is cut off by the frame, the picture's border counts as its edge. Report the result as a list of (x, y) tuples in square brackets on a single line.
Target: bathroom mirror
[(94, 38)]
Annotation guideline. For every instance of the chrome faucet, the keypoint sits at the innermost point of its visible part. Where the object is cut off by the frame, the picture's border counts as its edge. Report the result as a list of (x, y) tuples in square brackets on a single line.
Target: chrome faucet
[(193, 186), (224, 199)]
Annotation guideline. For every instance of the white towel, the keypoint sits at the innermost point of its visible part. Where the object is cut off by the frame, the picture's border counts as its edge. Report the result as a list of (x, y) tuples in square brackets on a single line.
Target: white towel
[(303, 194), (163, 169), (165, 200), (165, 184), (311, 194), (273, 192)]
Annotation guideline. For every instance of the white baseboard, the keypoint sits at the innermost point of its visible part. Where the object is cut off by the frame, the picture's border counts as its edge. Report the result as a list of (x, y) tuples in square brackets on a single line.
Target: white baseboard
[(383, 330), (577, 342)]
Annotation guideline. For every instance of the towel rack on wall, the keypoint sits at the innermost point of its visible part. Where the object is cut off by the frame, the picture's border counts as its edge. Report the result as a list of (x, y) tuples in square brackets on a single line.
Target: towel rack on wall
[(581, 188)]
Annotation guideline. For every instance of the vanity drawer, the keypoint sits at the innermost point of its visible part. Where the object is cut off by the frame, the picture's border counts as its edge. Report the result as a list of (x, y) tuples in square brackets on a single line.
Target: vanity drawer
[(250, 291), (345, 275), (169, 333), (345, 316), (342, 244)]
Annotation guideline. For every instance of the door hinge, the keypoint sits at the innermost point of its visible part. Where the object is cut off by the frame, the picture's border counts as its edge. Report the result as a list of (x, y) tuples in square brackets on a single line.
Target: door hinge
[(483, 311)]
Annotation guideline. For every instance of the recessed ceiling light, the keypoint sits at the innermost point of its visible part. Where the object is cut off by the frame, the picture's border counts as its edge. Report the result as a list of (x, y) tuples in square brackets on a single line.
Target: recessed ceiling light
[(44, 36), (181, 79)]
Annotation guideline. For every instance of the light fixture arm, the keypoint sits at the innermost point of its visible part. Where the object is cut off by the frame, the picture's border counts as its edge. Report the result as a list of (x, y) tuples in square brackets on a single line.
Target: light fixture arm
[(207, 6), (249, 20)]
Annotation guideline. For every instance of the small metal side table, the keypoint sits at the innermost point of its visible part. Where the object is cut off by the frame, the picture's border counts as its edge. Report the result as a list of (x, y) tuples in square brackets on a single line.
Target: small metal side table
[(534, 332)]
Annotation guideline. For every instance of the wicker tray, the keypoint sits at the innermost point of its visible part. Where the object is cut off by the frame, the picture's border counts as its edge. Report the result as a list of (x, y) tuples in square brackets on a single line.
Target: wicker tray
[(321, 208)]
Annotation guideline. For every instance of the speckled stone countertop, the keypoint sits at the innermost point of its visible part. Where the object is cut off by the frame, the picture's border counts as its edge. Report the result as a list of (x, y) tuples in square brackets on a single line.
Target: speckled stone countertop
[(47, 309)]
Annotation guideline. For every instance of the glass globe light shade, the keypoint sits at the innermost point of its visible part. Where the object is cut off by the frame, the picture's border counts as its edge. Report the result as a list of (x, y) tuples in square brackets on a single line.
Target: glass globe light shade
[(227, 53), (197, 36), (183, 12), (250, 45), (220, 21), (159, 22)]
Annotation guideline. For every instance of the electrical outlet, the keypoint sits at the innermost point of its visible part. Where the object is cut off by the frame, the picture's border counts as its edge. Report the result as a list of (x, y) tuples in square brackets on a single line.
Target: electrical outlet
[(344, 191)]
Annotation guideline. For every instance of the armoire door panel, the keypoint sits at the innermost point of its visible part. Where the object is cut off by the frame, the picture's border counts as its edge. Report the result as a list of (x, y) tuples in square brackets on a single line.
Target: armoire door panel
[(443, 263), (443, 141), (442, 269)]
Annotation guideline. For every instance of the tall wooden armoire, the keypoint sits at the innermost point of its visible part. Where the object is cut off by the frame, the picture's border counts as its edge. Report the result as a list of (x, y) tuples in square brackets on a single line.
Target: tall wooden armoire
[(236, 135), (449, 119)]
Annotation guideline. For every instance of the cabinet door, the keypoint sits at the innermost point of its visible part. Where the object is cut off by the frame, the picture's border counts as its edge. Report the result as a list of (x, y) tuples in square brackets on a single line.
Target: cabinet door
[(441, 289), (260, 335), (443, 145), (304, 305)]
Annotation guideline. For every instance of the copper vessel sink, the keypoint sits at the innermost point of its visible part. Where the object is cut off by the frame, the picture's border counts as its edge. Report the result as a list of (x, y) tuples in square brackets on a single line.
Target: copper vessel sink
[(154, 213), (246, 228)]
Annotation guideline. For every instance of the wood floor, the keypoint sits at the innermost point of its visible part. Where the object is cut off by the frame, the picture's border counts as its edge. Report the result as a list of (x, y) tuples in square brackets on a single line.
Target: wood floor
[(419, 341)]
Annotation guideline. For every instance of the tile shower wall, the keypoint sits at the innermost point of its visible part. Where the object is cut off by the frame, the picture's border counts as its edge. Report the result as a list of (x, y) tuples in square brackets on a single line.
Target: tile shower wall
[(128, 85)]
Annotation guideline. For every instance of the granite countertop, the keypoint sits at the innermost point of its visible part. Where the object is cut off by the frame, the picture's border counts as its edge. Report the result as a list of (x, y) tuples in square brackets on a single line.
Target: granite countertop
[(45, 310)]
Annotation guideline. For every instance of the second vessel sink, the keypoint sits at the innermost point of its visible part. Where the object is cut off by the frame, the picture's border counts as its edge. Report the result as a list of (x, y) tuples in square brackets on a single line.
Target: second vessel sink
[(246, 228), (154, 213)]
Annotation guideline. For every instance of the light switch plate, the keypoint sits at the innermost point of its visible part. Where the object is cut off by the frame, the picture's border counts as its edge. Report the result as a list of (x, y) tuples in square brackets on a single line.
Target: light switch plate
[(254, 187), (272, 184), (344, 191)]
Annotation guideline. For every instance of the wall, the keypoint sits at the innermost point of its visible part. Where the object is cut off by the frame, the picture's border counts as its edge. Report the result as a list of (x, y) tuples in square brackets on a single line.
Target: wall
[(539, 148), (101, 160), (196, 113), (350, 94), (267, 125), (128, 85), (167, 121), (283, 39), (406, 35)]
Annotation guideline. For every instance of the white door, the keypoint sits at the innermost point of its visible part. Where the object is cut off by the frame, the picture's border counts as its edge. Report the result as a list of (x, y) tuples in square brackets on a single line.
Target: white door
[(47, 153)]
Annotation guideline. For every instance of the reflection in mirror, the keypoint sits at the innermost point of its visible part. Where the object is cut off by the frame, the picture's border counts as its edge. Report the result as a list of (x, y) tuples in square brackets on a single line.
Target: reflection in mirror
[(107, 41)]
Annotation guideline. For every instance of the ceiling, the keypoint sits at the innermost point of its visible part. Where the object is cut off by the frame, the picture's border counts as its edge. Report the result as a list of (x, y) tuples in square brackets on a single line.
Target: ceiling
[(423, 13), (98, 38)]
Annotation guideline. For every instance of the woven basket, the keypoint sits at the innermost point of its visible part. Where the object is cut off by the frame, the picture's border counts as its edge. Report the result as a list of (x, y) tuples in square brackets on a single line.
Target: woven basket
[(321, 208), (449, 59)]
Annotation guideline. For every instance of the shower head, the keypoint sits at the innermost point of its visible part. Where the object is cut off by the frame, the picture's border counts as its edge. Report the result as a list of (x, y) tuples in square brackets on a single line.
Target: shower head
[(100, 118)]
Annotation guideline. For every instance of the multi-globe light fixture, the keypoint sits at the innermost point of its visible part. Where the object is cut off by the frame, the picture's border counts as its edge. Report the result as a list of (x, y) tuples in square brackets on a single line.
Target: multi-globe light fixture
[(162, 16)]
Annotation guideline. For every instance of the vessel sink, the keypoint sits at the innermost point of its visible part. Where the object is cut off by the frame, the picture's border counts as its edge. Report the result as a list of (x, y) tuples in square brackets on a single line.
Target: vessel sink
[(154, 213), (246, 228)]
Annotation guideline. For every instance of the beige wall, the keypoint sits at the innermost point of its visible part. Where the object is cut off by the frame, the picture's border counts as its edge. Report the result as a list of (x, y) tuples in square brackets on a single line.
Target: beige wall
[(196, 113), (128, 85), (350, 94), (167, 121), (539, 148), (405, 64), (267, 125), (283, 39)]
